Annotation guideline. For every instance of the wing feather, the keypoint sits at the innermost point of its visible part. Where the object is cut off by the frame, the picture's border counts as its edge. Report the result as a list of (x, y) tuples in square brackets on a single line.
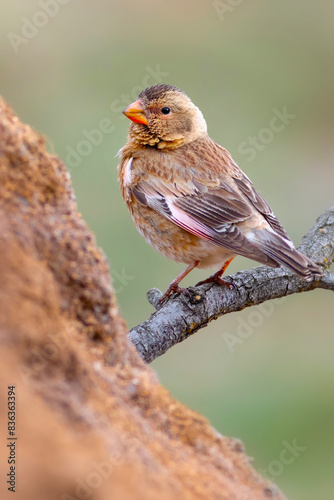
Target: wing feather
[(247, 188), (209, 213)]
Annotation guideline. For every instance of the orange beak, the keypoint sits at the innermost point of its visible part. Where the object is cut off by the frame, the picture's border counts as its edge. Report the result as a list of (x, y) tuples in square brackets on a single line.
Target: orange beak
[(136, 113)]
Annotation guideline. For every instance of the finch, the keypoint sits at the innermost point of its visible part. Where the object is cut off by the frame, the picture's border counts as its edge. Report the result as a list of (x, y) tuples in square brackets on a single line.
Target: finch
[(188, 197)]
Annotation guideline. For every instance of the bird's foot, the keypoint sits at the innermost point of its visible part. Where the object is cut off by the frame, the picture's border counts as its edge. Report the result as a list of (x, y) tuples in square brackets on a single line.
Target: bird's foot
[(215, 278), (173, 288)]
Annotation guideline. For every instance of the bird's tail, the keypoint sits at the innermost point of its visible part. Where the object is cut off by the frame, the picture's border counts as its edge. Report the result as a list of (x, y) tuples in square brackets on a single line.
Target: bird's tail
[(282, 251)]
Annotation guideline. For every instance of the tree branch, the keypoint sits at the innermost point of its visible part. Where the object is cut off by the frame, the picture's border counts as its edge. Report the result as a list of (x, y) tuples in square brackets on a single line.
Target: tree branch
[(185, 314)]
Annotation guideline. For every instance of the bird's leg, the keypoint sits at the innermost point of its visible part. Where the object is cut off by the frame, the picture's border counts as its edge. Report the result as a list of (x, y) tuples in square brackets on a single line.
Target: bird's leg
[(174, 286), (217, 277)]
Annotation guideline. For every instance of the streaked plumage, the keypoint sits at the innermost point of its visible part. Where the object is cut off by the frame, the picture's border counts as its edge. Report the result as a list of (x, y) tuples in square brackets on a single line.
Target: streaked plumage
[(187, 196)]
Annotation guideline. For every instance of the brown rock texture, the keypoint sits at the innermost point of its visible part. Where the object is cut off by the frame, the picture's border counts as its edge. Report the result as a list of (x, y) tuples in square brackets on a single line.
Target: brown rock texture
[(92, 420)]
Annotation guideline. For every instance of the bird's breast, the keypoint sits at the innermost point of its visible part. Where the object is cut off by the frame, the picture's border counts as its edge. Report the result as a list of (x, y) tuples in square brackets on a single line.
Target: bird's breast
[(174, 242)]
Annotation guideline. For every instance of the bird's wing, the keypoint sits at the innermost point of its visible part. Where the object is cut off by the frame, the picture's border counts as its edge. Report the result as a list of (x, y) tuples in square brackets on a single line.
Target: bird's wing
[(212, 213), (246, 187)]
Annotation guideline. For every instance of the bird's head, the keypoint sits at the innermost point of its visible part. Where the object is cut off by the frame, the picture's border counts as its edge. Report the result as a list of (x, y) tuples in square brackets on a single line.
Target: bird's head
[(164, 116)]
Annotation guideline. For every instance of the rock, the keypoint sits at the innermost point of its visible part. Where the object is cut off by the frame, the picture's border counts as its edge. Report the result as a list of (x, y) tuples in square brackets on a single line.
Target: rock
[(92, 421)]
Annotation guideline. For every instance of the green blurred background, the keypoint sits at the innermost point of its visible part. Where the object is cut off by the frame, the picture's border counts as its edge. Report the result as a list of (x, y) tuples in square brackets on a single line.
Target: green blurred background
[(238, 61)]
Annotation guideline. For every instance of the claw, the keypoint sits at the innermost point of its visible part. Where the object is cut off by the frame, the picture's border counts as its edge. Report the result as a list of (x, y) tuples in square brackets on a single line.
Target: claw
[(173, 288), (217, 279)]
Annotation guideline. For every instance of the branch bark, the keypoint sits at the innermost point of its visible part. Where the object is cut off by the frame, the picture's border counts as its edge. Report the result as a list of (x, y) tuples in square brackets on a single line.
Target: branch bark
[(185, 314)]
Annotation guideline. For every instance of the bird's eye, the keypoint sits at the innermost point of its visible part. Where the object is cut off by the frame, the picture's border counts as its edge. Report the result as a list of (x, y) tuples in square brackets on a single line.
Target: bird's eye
[(165, 110)]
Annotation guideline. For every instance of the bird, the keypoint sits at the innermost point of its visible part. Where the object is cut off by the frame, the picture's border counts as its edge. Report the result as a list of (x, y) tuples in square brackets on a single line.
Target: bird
[(188, 197)]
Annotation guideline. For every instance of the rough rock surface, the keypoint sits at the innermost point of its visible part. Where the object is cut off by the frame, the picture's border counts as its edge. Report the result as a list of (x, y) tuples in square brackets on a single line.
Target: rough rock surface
[(92, 419)]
